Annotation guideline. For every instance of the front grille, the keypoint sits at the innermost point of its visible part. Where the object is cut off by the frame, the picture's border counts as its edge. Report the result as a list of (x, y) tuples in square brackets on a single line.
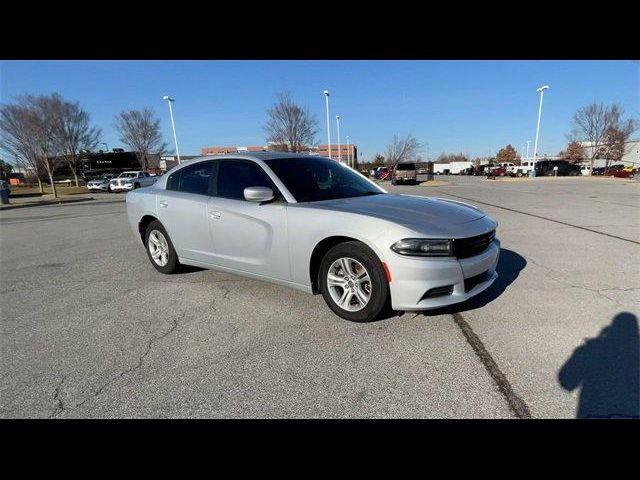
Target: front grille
[(469, 247), (471, 282)]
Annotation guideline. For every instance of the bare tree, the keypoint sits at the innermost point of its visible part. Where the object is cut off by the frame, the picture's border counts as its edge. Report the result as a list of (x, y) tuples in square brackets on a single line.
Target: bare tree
[(290, 124), (140, 130), (591, 124), (28, 133), (41, 127), (402, 149), (73, 132)]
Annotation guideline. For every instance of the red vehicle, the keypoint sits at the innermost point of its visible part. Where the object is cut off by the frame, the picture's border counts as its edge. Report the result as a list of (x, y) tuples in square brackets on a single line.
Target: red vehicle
[(619, 173), (499, 171)]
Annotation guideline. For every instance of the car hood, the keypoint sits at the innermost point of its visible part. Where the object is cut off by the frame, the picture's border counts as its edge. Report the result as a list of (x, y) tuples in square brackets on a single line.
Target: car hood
[(409, 211)]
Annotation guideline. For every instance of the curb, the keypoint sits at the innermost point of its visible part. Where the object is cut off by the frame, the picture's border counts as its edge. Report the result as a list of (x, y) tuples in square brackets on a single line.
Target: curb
[(59, 201)]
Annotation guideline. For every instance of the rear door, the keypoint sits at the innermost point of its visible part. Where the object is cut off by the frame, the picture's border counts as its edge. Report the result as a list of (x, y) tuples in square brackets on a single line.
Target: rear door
[(182, 209), (248, 236)]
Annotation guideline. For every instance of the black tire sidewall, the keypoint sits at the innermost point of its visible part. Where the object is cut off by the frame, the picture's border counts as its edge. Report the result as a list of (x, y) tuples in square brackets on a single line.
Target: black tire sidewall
[(172, 264), (379, 286)]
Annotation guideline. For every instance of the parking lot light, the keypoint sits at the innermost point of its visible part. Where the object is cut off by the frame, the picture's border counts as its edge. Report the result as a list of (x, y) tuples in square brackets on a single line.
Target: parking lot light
[(535, 145), (170, 100), (326, 97), (339, 152)]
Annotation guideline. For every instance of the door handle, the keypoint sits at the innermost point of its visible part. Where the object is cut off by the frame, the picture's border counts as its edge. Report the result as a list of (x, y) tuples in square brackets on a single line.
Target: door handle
[(214, 215), (163, 204)]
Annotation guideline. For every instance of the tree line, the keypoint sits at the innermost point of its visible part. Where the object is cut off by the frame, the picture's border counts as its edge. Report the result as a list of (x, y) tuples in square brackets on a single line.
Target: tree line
[(45, 131)]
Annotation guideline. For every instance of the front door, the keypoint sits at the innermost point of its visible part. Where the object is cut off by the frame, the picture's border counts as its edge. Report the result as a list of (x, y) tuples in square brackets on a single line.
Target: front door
[(248, 236)]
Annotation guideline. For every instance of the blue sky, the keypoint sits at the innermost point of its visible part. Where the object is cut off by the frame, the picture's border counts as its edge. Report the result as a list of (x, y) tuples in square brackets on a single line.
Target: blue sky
[(454, 106)]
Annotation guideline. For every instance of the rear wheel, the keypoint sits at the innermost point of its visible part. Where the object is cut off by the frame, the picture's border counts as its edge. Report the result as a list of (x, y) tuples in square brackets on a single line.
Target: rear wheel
[(160, 249), (353, 282)]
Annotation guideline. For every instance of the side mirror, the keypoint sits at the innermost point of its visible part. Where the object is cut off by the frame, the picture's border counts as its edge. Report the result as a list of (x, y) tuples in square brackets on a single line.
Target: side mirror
[(258, 194)]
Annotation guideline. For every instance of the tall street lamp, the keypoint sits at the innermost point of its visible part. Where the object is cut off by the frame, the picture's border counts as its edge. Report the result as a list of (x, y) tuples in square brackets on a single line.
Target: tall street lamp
[(339, 152), (106, 147), (349, 156), (535, 145), (326, 98), (528, 142), (170, 100)]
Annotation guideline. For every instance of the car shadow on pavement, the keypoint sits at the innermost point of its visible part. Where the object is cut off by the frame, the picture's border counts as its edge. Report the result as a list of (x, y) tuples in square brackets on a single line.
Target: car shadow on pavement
[(510, 264), (607, 368)]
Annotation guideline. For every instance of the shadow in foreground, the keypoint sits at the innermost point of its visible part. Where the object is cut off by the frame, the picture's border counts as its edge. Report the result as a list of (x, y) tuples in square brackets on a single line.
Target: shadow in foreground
[(608, 370), (510, 264)]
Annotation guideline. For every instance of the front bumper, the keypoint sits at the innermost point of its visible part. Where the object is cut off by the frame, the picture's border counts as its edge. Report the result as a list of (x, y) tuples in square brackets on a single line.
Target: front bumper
[(93, 188), (412, 278)]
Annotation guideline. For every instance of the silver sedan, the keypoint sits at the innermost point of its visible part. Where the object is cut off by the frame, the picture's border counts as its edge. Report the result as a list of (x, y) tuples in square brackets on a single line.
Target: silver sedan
[(313, 224)]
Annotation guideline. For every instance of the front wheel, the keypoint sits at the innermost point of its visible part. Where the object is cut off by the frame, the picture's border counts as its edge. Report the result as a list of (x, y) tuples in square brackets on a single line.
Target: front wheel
[(353, 282), (160, 249)]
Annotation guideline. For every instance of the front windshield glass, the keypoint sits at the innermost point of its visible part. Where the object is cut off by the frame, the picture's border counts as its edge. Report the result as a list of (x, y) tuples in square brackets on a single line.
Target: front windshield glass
[(312, 179), (128, 175)]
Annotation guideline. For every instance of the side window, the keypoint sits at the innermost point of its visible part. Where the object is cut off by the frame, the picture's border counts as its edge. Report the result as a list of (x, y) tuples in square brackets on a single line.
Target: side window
[(235, 176), (197, 178), (173, 182)]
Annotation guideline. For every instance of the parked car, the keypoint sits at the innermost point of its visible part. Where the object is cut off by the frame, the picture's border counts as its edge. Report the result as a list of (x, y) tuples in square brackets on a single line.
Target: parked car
[(564, 168), (313, 224), (620, 173), (99, 184), (380, 172), (404, 173), (130, 180), (498, 171)]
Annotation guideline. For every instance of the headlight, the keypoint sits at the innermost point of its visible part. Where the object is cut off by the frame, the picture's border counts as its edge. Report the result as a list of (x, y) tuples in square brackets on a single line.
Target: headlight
[(422, 247)]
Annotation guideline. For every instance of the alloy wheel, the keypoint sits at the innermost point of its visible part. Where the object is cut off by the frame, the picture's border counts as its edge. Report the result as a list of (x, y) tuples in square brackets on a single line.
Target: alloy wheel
[(158, 248), (349, 284)]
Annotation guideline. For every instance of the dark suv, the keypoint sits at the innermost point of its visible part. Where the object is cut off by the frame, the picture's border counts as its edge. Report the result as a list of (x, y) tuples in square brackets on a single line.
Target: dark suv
[(546, 168)]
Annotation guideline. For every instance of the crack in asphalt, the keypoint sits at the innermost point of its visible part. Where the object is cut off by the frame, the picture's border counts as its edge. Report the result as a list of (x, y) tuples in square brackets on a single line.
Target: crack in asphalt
[(516, 404), (597, 291), (135, 367), (59, 404)]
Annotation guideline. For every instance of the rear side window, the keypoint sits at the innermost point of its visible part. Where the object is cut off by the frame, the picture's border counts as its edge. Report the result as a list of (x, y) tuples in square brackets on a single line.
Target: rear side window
[(235, 176), (198, 179)]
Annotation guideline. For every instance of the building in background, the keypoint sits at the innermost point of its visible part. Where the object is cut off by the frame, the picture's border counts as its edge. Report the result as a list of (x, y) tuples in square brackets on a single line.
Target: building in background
[(347, 152)]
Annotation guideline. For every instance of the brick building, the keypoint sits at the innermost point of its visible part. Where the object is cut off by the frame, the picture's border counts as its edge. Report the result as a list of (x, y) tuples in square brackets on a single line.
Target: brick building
[(347, 152)]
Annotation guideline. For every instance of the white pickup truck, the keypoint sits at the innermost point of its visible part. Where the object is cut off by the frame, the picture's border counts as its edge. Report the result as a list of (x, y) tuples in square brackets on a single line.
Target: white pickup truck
[(127, 181)]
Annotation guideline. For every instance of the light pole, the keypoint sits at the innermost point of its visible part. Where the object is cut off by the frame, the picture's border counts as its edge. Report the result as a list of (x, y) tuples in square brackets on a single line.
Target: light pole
[(339, 152), (326, 98), (106, 147), (528, 142), (349, 156), (170, 100), (535, 145)]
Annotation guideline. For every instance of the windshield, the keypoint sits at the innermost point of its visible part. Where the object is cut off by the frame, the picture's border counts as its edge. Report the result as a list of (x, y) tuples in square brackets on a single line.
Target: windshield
[(314, 179), (128, 175)]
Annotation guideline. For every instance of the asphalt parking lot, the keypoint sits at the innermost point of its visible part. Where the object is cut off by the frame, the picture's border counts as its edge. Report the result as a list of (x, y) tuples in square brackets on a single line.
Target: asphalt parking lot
[(90, 329)]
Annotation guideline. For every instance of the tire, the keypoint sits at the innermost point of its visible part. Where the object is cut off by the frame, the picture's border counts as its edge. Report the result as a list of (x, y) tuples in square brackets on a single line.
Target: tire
[(359, 258), (136, 185), (109, 189), (394, 181), (167, 262)]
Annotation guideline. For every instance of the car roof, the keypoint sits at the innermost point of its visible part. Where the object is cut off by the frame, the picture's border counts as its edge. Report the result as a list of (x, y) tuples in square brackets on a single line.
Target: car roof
[(255, 156)]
